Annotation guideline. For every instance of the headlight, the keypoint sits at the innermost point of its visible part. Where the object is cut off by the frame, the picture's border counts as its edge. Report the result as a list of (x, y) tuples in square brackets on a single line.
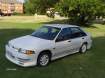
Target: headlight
[(29, 52)]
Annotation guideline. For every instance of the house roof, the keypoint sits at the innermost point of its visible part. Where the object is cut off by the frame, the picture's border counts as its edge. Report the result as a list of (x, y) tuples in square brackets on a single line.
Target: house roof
[(9, 1)]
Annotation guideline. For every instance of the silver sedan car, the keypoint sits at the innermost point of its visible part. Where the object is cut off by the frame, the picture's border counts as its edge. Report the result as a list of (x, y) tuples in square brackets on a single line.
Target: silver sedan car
[(48, 43)]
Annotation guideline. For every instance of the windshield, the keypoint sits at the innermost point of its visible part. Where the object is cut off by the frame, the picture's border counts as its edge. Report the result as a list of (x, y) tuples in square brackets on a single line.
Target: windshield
[(46, 32)]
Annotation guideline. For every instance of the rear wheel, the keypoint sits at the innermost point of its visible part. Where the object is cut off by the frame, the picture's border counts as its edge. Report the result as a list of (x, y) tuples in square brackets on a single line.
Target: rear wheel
[(83, 48), (43, 59)]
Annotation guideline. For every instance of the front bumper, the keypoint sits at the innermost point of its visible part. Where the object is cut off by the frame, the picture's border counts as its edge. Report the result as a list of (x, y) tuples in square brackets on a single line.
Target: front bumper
[(19, 58)]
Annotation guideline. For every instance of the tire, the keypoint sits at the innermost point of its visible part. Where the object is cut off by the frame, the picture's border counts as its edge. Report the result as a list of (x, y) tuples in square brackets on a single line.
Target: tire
[(83, 48), (43, 59)]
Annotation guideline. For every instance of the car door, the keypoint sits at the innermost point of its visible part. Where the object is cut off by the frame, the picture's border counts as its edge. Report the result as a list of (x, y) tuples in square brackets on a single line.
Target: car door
[(63, 43), (77, 38)]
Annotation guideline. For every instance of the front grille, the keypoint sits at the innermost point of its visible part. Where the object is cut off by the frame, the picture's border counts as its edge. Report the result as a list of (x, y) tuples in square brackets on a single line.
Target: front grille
[(23, 60), (10, 55)]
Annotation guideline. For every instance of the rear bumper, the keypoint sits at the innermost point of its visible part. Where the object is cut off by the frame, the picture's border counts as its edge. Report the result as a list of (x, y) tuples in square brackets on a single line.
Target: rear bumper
[(19, 58)]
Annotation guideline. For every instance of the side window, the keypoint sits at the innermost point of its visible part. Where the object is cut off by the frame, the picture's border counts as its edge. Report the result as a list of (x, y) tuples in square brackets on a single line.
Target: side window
[(65, 34), (83, 33), (77, 32)]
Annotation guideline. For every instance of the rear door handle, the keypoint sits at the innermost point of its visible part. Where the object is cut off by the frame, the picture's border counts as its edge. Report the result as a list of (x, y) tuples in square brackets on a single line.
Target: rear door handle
[(83, 38), (69, 41)]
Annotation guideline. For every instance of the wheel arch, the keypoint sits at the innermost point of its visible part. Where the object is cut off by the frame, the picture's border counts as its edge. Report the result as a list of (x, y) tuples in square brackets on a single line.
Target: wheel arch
[(46, 51), (85, 43)]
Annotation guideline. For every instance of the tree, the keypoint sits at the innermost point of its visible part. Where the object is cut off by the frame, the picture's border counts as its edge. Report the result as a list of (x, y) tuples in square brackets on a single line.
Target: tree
[(81, 11), (39, 6)]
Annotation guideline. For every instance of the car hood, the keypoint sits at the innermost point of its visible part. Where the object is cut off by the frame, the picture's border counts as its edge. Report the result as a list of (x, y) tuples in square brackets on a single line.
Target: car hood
[(29, 42)]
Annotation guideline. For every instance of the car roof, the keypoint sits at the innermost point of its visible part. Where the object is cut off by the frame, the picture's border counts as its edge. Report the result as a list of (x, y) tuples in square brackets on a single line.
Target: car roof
[(60, 25)]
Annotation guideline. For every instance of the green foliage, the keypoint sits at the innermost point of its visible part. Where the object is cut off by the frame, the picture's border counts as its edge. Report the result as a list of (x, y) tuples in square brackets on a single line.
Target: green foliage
[(39, 6), (81, 11), (30, 7)]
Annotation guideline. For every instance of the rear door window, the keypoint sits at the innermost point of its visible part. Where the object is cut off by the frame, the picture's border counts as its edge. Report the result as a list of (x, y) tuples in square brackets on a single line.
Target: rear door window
[(77, 32)]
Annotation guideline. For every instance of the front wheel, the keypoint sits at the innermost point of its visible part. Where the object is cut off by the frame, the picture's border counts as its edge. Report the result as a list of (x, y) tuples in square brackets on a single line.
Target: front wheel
[(43, 59), (83, 48)]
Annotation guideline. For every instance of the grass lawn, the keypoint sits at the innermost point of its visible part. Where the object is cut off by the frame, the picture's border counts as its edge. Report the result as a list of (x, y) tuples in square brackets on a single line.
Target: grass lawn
[(89, 65)]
